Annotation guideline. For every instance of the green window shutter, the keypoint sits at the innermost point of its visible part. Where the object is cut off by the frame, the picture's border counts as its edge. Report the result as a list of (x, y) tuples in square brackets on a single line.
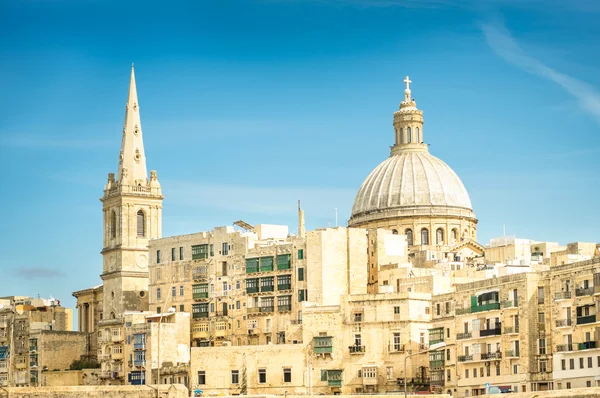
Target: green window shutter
[(300, 254), (300, 274), (323, 375), (473, 301)]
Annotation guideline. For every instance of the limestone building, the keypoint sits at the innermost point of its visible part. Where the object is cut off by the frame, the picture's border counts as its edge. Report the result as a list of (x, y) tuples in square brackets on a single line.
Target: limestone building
[(414, 193)]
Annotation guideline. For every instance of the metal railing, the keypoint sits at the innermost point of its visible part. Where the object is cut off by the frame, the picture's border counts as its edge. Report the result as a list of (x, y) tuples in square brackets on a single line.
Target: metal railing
[(491, 355), (563, 322), (562, 295), (462, 336), (511, 353), (588, 291), (357, 349)]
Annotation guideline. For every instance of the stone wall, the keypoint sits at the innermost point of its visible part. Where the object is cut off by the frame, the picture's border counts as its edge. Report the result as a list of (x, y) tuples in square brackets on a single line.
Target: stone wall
[(165, 391)]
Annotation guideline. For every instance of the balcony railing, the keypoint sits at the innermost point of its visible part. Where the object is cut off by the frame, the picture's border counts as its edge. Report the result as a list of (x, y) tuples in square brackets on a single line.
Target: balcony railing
[(511, 329), (267, 309), (509, 304), (139, 362), (586, 345), (562, 295), (582, 320), (437, 364), (357, 349), (284, 307), (268, 288), (139, 346), (201, 295), (251, 289), (485, 307), (589, 291), (462, 336), (284, 286), (394, 348), (465, 358), (200, 273), (491, 355), (511, 354), (561, 323), (566, 347), (491, 332), (462, 311)]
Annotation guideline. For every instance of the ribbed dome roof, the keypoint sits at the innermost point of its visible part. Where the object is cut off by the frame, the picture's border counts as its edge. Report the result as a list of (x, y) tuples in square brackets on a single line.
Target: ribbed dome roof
[(411, 183)]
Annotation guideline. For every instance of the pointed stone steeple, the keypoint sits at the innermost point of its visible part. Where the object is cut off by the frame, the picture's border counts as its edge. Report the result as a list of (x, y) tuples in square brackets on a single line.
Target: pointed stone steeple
[(132, 160)]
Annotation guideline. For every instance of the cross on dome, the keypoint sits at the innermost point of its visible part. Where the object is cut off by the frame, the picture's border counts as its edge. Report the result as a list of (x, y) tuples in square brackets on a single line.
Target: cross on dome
[(407, 91)]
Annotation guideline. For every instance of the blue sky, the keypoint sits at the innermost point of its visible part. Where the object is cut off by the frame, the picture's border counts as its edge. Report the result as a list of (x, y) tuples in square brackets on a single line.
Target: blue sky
[(248, 106)]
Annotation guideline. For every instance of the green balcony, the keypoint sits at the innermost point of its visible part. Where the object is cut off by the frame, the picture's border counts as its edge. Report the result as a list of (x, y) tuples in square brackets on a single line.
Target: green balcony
[(323, 344), (284, 286), (485, 307), (437, 364), (266, 264), (201, 295), (251, 289), (251, 265), (284, 261)]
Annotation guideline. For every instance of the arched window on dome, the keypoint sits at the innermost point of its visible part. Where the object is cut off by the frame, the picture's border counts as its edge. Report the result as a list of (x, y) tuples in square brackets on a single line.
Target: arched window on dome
[(401, 136), (395, 231), (424, 236), (454, 235), (141, 224), (439, 236), (409, 237), (417, 136), (408, 135), (113, 224)]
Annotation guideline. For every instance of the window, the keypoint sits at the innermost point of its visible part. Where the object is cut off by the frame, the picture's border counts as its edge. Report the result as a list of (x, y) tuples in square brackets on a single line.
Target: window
[(300, 254), (113, 224), (237, 305), (300, 274), (540, 295), (581, 363), (201, 377), (475, 372), (417, 138), (497, 370), (181, 253), (466, 373), (158, 310), (408, 135), (173, 255), (588, 383), (158, 257), (181, 290), (590, 363), (424, 236), (235, 377), (568, 385), (542, 345), (225, 248), (454, 235), (448, 354), (447, 312), (438, 309), (599, 361), (397, 310), (181, 308), (543, 366), (173, 291), (141, 227), (199, 252), (572, 363), (287, 375), (212, 250), (302, 295), (439, 236), (515, 369), (262, 376), (563, 363), (158, 293), (409, 237)]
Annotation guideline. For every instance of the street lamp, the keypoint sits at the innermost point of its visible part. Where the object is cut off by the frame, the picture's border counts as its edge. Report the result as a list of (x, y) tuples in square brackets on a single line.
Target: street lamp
[(433, 347)]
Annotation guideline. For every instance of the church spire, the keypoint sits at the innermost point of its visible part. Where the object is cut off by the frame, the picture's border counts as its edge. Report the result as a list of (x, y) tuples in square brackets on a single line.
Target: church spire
[(408, 124), (132, 161)]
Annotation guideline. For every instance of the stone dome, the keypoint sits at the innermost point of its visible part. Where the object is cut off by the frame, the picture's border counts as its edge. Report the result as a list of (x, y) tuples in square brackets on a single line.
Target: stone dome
[(411, 183)]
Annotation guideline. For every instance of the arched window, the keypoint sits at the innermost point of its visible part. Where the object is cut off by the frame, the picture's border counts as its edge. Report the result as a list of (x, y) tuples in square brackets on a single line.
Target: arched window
[(409, 236), (113, 224), (417, 136), (454, 235), (424, 236), (439, 236), (395, 231), (408, 136), (141, 223), (401, 137)]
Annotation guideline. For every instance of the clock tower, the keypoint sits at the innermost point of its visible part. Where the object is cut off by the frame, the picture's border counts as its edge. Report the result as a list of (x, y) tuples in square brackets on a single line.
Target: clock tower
[(132, 209)]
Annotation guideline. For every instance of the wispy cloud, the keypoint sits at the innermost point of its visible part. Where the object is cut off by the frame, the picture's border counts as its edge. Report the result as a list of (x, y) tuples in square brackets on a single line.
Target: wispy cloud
[(502, 42), (259, 199), (33, 141), (38, 273)]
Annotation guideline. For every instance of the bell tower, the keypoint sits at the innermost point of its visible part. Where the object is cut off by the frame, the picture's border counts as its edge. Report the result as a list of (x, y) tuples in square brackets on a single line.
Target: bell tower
[(132, 208)]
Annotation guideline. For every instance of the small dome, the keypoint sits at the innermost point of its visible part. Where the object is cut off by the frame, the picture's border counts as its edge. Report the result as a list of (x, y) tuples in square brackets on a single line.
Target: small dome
[(411, 183)]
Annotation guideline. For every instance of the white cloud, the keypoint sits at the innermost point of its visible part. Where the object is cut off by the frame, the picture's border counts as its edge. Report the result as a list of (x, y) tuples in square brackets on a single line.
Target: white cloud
[(502, 42)]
